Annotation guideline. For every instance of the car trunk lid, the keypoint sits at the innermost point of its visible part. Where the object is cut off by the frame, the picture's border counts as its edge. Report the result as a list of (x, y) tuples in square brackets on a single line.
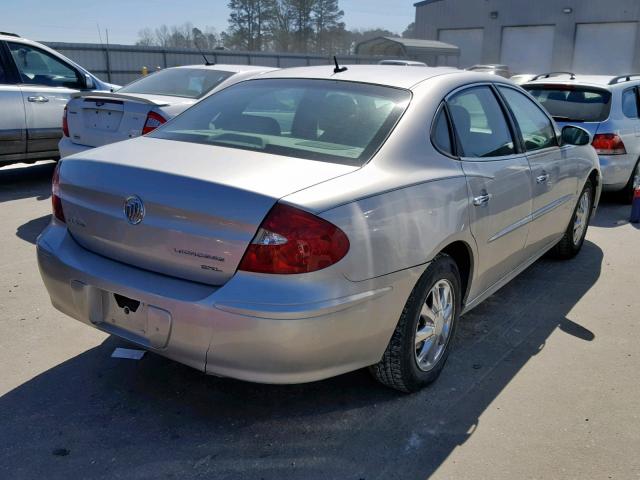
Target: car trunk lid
[(202, 204), (100, 118)]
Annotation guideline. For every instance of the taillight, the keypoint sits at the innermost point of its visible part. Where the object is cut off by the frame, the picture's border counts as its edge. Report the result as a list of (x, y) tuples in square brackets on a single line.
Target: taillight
[(153, 121), (608, 144), (56, 203), (290, 240), (65, 124)]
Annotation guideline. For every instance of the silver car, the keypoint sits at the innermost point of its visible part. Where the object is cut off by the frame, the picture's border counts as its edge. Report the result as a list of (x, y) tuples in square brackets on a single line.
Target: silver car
[(93, 119), (309, 223), (607, 107), (36, 83)]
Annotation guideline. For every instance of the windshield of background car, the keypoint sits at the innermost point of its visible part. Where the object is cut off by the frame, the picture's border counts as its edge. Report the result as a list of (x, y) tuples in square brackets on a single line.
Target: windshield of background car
[(178, 82), (573, 104), (326, 120)]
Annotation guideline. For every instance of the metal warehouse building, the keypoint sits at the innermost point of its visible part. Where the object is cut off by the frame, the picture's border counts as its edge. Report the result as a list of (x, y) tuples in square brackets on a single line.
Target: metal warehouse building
[(532, 36)]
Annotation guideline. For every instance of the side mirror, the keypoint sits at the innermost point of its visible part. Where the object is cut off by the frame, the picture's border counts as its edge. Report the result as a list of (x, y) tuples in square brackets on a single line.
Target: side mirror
[(572, 135), (89, 84)]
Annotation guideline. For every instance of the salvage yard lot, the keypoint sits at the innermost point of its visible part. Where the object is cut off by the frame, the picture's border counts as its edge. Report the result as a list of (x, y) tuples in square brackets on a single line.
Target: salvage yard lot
[(542, 383)]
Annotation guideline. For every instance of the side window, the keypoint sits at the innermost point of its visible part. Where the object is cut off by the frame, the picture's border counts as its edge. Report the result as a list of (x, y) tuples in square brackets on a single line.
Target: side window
[(630, 103), (37, 67), (536, 128), (440, 135), (3, 73), (480, 124)]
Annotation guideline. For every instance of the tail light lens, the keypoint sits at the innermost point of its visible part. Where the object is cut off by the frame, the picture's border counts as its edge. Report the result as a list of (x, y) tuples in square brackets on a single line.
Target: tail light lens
[(65, 124), (153, 121), (608, 144), (56, 203), (290, 240)]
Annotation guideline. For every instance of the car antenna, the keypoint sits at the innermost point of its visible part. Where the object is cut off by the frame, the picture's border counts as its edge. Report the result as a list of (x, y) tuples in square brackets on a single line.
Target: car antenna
[(206, 60), (338, 68)]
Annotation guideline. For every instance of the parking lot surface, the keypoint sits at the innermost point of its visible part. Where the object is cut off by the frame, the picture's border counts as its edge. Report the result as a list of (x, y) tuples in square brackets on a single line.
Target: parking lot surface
[(542, 383)]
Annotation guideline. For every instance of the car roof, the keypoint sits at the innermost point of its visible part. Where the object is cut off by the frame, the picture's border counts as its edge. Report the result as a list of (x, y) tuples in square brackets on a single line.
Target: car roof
[(398, 76), (229, 67)]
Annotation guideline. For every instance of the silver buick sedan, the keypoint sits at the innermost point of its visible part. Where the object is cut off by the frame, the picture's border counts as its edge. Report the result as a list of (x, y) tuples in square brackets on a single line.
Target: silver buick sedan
[(311, 222)]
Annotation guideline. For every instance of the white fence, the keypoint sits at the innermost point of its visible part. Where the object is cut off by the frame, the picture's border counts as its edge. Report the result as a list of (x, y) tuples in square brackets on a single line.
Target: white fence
[(121, 64)]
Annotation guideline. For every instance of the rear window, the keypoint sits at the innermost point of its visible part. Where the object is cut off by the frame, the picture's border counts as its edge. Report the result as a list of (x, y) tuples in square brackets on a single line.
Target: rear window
[(326, 120), (573, 104), (178, 82)]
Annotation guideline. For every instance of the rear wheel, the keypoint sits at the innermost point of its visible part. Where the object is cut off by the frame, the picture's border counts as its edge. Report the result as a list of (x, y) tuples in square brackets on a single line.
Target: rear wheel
[(571, 243), (626, 195), (421, 341)]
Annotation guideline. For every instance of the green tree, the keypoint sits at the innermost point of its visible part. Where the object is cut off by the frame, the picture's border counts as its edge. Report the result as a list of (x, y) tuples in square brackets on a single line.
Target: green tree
[(410, 31), (249, 23), (326, 18)]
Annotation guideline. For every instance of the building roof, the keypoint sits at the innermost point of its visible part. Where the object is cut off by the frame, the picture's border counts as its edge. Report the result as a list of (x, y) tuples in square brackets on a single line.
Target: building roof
[(425, 2), (408, 45)]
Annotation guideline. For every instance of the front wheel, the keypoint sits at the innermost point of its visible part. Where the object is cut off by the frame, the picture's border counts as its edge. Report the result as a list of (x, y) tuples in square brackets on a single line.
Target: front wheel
[(421, 341), (571, 243)]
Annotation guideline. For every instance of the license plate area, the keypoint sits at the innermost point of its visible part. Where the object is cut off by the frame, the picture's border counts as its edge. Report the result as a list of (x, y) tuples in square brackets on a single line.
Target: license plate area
[(102, 119), (135, 320)]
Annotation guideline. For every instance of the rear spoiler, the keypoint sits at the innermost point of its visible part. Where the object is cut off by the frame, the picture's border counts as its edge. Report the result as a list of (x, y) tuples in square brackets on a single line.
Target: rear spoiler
[(110, 96)]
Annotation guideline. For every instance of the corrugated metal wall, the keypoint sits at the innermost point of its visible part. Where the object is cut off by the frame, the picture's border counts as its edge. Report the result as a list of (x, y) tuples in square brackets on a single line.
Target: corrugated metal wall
[(122, 64)]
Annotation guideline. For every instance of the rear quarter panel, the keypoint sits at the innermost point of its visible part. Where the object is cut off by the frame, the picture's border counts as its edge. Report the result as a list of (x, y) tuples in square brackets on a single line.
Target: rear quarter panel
[(406, 204)]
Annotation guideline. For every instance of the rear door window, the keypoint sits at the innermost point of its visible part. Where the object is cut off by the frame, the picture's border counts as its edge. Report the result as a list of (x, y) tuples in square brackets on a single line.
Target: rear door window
[(630, 103), (480, 124), (440, 134), (572, 103), (536, 128)]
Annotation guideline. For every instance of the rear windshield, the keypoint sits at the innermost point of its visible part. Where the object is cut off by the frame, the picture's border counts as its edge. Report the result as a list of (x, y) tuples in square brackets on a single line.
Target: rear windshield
[(573, 104), (178, 82), (326, 120)]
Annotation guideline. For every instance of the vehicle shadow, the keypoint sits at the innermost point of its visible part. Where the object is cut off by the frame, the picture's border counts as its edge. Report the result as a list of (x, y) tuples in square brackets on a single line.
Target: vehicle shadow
[(611, 213), (30, 181), (29, 231), (100, 417)]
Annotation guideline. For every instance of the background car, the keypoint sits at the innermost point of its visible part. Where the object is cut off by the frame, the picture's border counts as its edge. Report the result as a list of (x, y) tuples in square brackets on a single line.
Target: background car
[(92, 120), (35, 84), (493, 69), (403, 63), (307, 223), (521, 78), (607, 107)]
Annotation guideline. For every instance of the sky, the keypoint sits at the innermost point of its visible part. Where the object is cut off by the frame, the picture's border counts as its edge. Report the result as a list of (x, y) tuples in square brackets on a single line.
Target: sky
[(76, 20)]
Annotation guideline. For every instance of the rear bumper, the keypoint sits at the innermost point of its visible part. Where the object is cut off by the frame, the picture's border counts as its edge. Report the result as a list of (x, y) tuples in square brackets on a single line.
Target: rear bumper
[(616, 170), (67, 147), (290, 329)]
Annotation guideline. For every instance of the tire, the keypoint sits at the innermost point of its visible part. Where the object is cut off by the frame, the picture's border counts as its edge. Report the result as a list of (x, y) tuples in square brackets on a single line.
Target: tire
[(399, 368), (626, 194), (571, 243)]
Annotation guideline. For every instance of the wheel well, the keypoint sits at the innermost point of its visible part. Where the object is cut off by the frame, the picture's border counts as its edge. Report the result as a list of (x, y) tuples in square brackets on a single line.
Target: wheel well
[(594, 177), (461, 254)]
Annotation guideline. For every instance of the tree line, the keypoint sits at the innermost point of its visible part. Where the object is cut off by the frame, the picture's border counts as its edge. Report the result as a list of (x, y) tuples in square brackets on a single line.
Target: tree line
[(300, 26)]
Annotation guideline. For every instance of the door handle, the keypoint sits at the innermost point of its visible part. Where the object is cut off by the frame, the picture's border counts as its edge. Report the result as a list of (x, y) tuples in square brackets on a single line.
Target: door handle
[(481, 200), (544, 178), (38, 99)]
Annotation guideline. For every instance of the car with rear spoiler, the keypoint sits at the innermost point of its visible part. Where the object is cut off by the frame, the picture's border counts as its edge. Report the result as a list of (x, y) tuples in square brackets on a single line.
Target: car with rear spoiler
[(92, 120), (606, 106)]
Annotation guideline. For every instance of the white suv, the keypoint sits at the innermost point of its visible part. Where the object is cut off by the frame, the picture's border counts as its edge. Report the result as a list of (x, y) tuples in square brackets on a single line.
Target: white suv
[(35, 84), (606, 106)]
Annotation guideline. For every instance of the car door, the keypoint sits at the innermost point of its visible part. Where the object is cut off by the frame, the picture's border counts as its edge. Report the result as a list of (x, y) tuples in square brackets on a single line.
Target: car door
[(498, 179), (13, 131), (46, 84), (554, 179)]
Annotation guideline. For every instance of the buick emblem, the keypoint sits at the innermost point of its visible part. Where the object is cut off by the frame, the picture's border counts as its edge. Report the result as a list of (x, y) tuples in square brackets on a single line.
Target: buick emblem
[(134, 209)]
